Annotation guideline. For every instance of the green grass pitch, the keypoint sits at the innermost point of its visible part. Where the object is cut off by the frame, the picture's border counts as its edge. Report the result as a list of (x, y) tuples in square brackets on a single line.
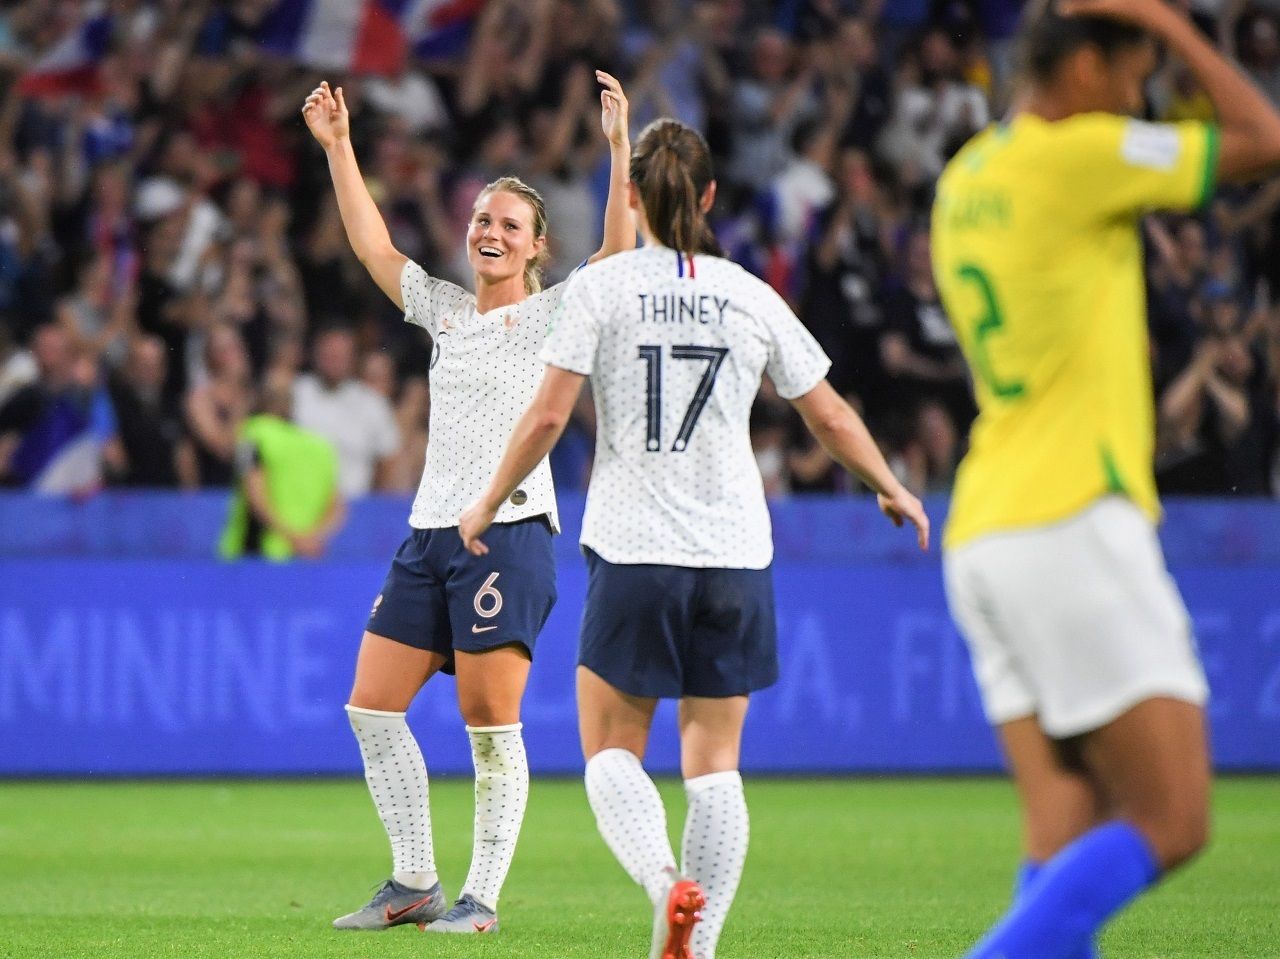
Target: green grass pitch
[(838, 868)]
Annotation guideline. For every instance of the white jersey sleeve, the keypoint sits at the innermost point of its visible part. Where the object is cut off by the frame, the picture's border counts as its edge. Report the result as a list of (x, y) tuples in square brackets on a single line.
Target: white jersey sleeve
[(428, 299), (796, 362), (573, 336)]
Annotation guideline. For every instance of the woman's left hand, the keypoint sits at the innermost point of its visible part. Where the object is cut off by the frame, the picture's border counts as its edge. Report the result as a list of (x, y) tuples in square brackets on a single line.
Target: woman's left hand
[(614, 116)]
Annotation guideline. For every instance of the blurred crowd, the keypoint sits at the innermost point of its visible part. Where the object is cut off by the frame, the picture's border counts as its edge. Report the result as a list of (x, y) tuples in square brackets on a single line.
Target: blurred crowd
[(170, 244)]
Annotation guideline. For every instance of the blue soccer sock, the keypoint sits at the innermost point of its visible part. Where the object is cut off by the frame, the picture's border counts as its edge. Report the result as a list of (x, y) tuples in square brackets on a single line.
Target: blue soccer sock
[(1073, 896), (1028, 871)]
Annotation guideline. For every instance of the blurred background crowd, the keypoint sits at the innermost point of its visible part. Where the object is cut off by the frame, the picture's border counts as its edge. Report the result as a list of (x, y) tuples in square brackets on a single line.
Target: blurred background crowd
[(170, 248)]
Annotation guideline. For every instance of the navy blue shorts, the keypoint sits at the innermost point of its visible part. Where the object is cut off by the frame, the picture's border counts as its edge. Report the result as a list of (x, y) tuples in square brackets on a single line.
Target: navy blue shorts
[(671, 631), (439, 597)]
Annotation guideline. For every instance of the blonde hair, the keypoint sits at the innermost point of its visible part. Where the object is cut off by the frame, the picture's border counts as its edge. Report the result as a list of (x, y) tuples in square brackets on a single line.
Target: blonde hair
[(517, 187)]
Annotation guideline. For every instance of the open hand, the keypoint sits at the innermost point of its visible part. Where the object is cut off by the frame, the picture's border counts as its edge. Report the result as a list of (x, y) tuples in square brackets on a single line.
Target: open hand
[(901, 507), (326, 114), (614, 110)]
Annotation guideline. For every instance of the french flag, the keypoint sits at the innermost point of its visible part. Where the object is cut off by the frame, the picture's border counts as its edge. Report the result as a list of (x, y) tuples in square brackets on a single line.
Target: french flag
[(72, 64), (440, 28), (367, 36), (362, 36)]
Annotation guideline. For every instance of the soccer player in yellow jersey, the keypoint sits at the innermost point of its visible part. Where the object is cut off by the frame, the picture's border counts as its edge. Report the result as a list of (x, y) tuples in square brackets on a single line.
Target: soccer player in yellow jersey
[(1080, 642)]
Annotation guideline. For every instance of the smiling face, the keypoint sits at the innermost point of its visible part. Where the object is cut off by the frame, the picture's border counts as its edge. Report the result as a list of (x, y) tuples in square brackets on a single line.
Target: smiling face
[(502, 238)]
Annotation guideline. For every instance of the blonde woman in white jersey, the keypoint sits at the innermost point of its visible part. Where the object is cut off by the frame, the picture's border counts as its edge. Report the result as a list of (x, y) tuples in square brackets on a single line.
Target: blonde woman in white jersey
[(441, 609), (680, 597)]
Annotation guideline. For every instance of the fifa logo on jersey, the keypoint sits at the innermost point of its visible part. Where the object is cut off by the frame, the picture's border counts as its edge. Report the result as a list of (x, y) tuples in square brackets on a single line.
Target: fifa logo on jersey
[(519, 498)]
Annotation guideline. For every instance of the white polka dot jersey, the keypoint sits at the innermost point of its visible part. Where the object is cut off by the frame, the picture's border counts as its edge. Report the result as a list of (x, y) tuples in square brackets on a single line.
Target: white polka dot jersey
[(485, 368), (675, 346)]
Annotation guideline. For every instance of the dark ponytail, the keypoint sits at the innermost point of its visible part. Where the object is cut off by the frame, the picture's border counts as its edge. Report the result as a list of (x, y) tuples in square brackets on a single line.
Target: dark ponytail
[(671, 167), (1047, 38)]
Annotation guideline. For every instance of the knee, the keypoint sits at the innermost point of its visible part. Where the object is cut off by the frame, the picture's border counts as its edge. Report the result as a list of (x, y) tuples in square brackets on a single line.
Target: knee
[(599, 734), (366, 696), (1177, 836), (704, 762), (482, 710), (1188, 836)]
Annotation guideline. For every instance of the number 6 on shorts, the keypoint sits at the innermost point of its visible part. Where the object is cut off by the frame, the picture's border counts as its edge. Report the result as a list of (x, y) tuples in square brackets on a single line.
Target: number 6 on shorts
[(488, 593)]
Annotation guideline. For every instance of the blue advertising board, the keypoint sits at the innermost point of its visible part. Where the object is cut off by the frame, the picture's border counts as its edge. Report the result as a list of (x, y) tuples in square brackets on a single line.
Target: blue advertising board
[(153, 659)]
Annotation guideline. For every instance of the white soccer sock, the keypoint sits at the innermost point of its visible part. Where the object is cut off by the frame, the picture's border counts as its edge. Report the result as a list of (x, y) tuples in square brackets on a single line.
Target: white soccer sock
[(631, 818), (714, 850), (502, 792), (397, 778)]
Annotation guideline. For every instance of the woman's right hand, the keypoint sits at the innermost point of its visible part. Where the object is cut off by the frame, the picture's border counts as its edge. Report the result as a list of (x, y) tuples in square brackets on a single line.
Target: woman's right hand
[(326, 114)]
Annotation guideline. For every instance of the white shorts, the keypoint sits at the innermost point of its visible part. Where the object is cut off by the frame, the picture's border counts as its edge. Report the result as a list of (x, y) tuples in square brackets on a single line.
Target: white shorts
[(1074, 623)]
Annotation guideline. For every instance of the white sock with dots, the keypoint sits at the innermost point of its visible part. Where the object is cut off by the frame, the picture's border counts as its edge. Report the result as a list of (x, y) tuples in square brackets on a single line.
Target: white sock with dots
[(502, 792), (631, 818), (714, 850), (397, 778)]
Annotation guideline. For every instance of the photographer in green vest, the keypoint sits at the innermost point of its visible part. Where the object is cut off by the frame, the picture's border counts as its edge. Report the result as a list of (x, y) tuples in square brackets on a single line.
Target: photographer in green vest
[(286, 501)]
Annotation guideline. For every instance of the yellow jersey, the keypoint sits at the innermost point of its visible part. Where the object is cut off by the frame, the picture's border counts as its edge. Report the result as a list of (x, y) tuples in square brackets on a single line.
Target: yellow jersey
[(1038, 259)]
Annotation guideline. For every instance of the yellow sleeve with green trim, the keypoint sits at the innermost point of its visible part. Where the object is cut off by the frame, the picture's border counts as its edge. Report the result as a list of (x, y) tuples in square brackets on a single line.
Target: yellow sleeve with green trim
[(1118, 166)]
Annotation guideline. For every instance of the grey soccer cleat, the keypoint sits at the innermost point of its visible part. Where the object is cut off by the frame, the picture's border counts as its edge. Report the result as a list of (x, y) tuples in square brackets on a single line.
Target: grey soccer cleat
[(396, 905), (468, 915), (674, 917)]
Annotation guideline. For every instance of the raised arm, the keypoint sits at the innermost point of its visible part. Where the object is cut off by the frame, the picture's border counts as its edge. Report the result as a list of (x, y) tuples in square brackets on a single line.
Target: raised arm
[(326, 114), (619, 225), (1249, 125)]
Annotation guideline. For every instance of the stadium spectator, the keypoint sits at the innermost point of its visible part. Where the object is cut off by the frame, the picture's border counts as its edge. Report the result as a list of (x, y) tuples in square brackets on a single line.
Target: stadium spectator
[(1215, 424), (927, 377), (847, 265), (157, 451), (356, 419), (96, 316), (1260, 51), (935, 112), (768, 104), (215, 409), (17, 366), (855, 63), (54, 432), (287, 501)]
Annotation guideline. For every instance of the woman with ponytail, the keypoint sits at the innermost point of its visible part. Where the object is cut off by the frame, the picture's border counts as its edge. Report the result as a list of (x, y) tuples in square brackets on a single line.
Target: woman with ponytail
[(677, 536), (441, 609)]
